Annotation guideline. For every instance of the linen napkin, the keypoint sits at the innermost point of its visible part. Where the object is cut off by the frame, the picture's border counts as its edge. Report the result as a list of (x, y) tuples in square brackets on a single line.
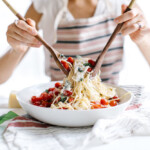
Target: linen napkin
[(130, 123), (26, 133)]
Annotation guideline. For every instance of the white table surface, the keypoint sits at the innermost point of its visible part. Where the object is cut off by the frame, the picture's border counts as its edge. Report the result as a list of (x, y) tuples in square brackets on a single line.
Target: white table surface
[(129, 143)]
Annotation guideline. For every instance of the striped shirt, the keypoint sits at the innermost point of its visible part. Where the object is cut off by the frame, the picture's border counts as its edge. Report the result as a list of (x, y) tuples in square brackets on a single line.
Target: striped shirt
[(87, 37)]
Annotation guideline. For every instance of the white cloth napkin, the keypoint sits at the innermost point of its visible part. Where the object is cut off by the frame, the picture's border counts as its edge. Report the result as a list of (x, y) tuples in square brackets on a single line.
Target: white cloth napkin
[(130, 123)]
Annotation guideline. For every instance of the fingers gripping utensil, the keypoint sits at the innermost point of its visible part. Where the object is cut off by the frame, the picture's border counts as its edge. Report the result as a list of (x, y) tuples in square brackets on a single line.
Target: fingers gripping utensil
[(53, 52), (100, 58)]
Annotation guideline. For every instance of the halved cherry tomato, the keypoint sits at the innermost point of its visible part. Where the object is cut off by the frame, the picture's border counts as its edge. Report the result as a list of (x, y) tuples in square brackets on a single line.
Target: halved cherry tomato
[(113, 103), (67, 93), (70, 99), (89, 69), (104, 102), (71, 60), (92, 62), (65, 64), (57, 85)]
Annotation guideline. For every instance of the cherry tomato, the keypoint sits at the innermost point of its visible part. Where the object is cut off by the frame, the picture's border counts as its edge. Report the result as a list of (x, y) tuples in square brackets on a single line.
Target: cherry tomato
[(116, 99), (96, 106), (89, 69), (56, 92), (57, 100), (64, 108), (70, 99), (50, 96), (104, 102), (71, 60), (113, 103), (51, 89), (92, 62), (67, 93), (93, 102), (57, 85), (36, 99), (44, 96), (33, 99), (37, 103), (65, 64)]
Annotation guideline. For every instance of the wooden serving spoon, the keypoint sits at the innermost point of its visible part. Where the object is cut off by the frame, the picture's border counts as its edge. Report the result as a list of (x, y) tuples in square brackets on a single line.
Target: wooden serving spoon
[(100, 58), (53, 52)]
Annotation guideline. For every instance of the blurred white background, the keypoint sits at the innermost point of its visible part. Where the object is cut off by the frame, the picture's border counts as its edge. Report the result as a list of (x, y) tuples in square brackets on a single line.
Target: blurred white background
[(31, 70)]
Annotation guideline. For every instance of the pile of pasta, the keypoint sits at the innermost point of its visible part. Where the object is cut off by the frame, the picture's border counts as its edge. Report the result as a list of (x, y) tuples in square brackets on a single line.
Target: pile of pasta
[(79, 90)]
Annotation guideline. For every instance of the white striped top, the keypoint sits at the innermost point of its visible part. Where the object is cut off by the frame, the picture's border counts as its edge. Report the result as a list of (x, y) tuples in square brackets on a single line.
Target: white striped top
[(87, 37)]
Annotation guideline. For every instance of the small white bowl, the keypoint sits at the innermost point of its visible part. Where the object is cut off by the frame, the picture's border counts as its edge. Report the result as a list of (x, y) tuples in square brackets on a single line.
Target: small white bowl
[(69, 118)]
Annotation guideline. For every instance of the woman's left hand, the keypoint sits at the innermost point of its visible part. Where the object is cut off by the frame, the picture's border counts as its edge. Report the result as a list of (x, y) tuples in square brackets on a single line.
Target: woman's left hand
[(135, 24)]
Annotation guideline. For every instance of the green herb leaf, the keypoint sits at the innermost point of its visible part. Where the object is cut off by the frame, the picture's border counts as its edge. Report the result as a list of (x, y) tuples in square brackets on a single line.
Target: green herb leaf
[(8, 116), (63, 98), (80, 70), (87, 64), (81, 79), (62, 56), (47, 91)]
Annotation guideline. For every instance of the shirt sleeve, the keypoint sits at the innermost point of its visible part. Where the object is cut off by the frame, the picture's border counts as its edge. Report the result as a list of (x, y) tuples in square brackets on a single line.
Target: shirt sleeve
[(39, 5), (51, 10), (115, 6)]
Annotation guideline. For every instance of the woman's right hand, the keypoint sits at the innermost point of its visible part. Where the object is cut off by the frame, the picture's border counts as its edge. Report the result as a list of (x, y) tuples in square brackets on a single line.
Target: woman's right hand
[(21, 35)]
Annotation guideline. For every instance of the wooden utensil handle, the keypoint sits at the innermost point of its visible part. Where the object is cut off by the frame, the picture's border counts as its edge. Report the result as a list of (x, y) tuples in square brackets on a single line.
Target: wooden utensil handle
[(100, 58), (113, 36), (38, 37)]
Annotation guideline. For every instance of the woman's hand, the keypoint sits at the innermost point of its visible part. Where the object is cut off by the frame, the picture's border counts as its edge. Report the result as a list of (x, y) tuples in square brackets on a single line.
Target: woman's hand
[(20, 35), (135, 24)]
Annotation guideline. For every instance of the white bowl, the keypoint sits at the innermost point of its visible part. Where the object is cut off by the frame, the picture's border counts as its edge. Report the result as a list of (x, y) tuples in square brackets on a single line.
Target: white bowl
[(69, 118)]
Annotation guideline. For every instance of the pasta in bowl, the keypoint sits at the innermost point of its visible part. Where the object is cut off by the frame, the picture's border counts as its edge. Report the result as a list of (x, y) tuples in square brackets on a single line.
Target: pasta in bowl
[(79, 91), (78, 100)]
